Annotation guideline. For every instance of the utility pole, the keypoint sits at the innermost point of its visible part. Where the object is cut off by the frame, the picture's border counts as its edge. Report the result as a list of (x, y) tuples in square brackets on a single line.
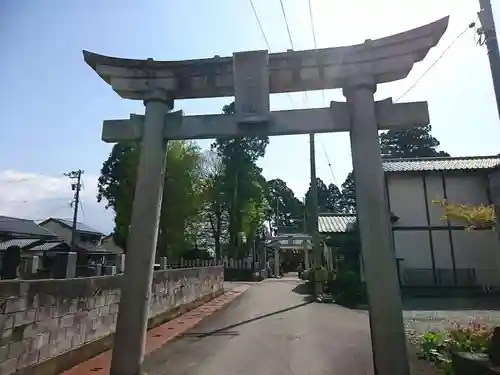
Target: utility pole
[(490, 39), (75, 175), (314, 207), (277, 214), (305, 215)]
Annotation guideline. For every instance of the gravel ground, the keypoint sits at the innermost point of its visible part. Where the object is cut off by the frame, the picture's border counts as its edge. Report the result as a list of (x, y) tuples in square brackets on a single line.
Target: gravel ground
[(433, 314)]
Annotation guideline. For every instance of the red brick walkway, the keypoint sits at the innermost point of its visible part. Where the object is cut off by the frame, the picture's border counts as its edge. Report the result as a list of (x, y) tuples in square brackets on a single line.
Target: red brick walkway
[(159, 336)]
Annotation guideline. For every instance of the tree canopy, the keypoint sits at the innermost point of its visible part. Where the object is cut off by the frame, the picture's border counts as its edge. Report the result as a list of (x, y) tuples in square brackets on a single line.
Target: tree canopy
[(179, 208), (210, 198), (416, 142), (241, 184)]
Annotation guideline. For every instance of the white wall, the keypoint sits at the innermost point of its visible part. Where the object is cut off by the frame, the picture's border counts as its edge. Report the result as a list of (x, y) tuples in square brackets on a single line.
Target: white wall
[(418, 239), (406, 199)]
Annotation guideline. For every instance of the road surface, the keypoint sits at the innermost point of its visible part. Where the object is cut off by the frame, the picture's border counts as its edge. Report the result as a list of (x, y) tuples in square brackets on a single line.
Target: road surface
[(273, 330)]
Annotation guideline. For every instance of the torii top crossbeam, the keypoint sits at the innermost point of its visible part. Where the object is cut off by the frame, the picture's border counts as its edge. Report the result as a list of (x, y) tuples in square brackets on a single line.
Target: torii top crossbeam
[(386, 59)]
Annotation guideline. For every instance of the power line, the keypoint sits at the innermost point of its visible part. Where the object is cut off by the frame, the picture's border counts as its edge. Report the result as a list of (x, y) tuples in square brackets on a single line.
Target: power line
[(286, 24), (285, 18), (470, 26), (304, 94), (260, 25), (328, 160), (265, 37), (81, 207), (311, 18)]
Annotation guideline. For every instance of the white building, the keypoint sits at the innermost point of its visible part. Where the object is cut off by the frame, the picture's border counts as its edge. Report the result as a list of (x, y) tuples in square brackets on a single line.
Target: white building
[(432, 251)]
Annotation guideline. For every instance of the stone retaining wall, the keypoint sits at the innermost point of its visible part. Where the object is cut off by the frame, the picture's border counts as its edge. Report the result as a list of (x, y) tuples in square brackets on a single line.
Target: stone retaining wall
[(42, 319)]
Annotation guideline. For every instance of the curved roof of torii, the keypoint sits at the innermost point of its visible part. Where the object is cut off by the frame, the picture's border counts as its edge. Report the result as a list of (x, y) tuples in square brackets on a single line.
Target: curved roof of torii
[(387, 59)]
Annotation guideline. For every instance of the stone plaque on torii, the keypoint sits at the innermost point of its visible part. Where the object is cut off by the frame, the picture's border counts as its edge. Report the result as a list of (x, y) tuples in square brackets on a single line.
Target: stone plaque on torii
[(250, 77)]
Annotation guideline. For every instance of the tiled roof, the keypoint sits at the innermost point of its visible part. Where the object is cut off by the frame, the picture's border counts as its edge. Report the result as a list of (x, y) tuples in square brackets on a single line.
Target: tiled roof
[(90, 248), (80, 227), (21, 242), (334, 223), (441, 164), (15, 225), (46, 246)]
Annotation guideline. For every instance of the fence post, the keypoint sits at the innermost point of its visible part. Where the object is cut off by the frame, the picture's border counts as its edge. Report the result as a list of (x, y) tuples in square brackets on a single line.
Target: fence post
[(163, 263)]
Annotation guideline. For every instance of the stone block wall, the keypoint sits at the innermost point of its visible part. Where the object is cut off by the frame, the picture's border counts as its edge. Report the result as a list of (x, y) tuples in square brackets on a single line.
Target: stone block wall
[(42, 319)]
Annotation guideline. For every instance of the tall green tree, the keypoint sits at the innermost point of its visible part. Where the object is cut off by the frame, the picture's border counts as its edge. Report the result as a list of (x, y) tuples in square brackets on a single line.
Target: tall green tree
[(240, 184), (348, 200), (284, 208), (329, 200), (180, 205), (214, 208), (416, 142), (334, 199)]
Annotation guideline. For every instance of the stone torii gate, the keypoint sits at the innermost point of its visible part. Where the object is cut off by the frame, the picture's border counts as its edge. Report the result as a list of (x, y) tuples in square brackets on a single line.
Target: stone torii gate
[(251, 77)]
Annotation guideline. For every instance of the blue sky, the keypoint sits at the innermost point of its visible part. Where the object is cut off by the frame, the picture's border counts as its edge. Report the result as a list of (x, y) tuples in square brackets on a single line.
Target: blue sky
[(53, 104)]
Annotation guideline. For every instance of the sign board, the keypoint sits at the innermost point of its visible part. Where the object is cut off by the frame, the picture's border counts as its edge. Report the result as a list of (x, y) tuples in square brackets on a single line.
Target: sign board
[(251, 86)]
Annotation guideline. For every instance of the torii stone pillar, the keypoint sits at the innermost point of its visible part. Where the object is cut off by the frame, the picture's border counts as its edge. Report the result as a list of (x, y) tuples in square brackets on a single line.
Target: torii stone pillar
[(386, 319), (306, 258), (132, 321)]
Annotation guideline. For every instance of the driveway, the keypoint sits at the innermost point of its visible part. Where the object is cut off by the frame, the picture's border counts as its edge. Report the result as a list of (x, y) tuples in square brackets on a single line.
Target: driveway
[(273, 330)]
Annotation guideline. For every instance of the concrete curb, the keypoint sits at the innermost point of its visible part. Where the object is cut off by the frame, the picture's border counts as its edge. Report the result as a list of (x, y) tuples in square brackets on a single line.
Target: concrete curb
[(162, 334)]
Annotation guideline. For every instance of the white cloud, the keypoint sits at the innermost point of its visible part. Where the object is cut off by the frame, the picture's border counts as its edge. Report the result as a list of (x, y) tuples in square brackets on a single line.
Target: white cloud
[(37, 196)]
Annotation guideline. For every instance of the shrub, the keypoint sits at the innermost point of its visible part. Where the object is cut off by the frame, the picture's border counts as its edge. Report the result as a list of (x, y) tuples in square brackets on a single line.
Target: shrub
[(480, 216), (319, 274), (347, 288), (438, 346)]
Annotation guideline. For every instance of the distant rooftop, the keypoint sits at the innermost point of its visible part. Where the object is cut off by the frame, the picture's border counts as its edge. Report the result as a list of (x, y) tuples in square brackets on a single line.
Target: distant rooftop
[(21, 242), (80, 227), (22, 227), (468, 163), (290, 241), (334, 223)]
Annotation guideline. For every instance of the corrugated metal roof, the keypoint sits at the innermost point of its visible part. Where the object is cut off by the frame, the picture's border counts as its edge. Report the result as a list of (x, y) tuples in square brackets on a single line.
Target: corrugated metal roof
[(21, 242), (16, 225), (46, 246), (334, 223), (441, 164)]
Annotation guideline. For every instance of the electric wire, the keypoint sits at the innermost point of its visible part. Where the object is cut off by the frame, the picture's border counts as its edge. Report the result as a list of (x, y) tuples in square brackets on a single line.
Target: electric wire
[(470, 26), (311, 19), (260, 25), (286, 24)]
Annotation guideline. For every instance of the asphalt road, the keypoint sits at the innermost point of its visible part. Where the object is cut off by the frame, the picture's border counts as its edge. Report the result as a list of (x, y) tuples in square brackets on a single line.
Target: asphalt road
[(272, 330)]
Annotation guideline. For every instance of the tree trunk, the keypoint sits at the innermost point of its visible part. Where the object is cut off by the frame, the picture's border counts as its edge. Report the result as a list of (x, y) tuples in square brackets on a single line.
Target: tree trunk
[(217, 233), (234, 215)]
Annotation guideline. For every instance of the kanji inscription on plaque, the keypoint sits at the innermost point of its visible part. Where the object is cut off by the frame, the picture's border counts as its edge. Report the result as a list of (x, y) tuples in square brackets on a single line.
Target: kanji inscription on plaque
[(251, 86)]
